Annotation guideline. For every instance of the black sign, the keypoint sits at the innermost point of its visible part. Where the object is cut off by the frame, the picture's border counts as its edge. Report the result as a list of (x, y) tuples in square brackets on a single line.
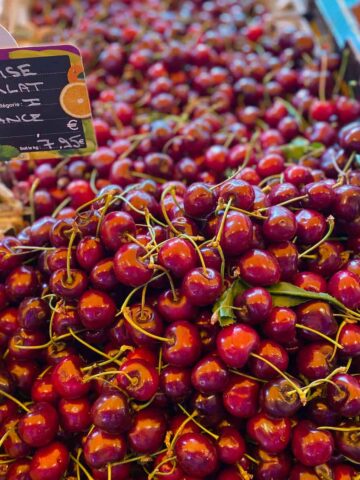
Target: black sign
[(40, 109)]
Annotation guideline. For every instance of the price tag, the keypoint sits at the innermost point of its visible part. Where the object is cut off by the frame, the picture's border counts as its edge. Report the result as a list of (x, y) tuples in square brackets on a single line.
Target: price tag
[(44, 103)]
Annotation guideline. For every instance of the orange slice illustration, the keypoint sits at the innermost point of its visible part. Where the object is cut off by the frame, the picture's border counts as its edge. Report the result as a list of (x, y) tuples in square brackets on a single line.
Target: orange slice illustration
[(74, 100), (74, 72)]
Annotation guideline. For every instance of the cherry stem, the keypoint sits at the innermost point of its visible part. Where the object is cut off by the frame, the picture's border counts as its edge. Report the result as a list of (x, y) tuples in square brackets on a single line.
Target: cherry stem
[(87, 204), (213, 435), (128, 318), (340, 429), (32, 200), (68, 257), (103, 213), (13, 399), (342, 70), (140, 212), (80, 465), (251, 377), (297, 389), (252, 459), (286, 202), (222, 224), (61, 205), (109, 474), (134, 240), (312, 330), (251, 214), (331, 222), (269, 178), (198, 251), (318, 382), (164, 212), (163, 269), (146, 176), (4, 437), (92, 181), (90, 347), (122, 349), (243, 473), (139, 458), (341, 326)]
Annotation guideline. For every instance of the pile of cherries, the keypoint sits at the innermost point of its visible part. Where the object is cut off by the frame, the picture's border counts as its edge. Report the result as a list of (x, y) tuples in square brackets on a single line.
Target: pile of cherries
[(185, 303)]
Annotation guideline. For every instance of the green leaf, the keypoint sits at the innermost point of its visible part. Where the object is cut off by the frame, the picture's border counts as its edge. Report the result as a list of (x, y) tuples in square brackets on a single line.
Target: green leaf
[(285, 301), (289, 290), (8, 151), (299, 147), (222, 310)]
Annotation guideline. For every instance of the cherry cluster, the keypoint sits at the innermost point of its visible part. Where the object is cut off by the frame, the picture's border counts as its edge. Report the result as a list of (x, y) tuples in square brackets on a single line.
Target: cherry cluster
[(185, 303)]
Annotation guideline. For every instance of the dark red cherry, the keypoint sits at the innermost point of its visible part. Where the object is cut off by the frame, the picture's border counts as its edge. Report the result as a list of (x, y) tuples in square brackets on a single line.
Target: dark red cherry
[(13, 445), (275, 354), (19, 470), (279, 399), (119, 471), (178, 256), (43, 390), (240, 192), (196, 454), (258, 267), (309, 281), (33, 313), (237, 232), (347, 441), (231, 445), (68, 379), (280, 224), (178, 308), (71, 286), (25, 338), (50, 462), (272, 466), (88, 252), (148, 320), (75, 414), (139, 379), (347, 202), (345, 287), (253, 306), (271, 433), (286, 254), (148, 431), (176, 382), (241, 397), (199, 200), (328, 258), (235, 343), (96, 309), (311, 226), (169, 469), (318, 316), (101, 448), (39, 425), (210, 375), (20, 283), (311, 446), (319, 412), (184, 346), (349, 339), (102, 276), (129, 268), (343, 395), (314, 360), (202, 287), (114, 228)]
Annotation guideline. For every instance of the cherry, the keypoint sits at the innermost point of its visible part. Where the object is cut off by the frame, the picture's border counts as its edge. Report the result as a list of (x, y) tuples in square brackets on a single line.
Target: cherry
[(129, 268), (347, 202), (320, 413), (9, 322), (114, 229), (139, 379), (119, 471), (49, 462), (274, 353), (25, 338), (80, 192), (236, 233), (240, 192), (343, 395), (39, 426), (253, 306), (210, 375), (148, 431), (282, 192), (311, 226), (23, 372), (235, 343), (241, 397), (102, 276), (287, 256), (74, 414), (176, 382), (88, 252), (20, 283), (279, 399), (311, 446), (168, 469), (184, 346), (280, 224), (102, 160), (258, 267), (68, 379), (19, 470), (43, 390), (101, 448), (328, 259), (231, 445), (312, 282), (196, 454), (175, 308), (199, 200), (272, 466), (202, 287), (33, 313), (96, 309), (148, 320), (345, 287), (14, 446), (68, 286), (349, 339), (347, 441), (272, 434), (318, 316), (314, 360), (178, 256)]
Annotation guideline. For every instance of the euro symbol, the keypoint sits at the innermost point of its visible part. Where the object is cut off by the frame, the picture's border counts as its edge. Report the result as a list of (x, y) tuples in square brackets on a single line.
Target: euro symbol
[(72, 124)]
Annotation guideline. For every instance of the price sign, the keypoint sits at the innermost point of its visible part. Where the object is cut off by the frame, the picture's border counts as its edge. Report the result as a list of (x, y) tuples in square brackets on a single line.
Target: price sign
[(44, 103)]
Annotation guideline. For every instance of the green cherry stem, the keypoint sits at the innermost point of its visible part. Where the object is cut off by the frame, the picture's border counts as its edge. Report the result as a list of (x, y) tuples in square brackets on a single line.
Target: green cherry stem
[(213, 435), (13, 399), (322, 335)]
